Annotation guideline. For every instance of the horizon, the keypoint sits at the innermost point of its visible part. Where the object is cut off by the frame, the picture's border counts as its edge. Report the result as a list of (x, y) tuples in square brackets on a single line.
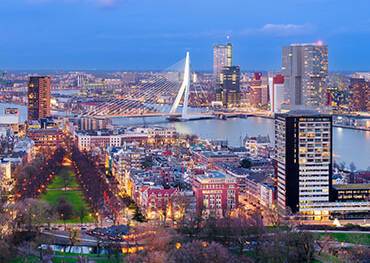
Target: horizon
[(132, 35)]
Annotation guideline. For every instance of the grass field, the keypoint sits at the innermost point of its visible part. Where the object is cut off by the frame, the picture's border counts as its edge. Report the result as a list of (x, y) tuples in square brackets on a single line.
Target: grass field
[(58, 182), (353, 238), (75, 197)]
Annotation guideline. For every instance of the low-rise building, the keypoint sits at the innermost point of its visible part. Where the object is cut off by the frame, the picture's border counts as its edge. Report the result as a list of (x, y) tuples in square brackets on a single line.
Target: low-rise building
[(258, 146), (7, 182), (351, 192), (157, 203), (216, 193), (210, 158), (46, 138)]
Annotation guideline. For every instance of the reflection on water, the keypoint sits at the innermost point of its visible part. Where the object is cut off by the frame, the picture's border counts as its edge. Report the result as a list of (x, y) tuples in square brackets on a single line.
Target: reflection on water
[(349, 145)]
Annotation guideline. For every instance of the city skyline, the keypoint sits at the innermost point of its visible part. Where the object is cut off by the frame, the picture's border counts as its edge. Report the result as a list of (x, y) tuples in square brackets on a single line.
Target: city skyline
[(126, 35)]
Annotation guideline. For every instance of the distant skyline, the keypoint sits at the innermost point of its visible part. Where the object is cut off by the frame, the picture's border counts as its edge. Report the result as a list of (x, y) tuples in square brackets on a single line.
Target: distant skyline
[(147, 34)]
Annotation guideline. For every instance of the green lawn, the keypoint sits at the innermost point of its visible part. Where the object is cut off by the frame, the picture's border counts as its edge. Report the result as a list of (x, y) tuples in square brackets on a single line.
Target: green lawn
[(58, 182), (54, 192), (363, 239)]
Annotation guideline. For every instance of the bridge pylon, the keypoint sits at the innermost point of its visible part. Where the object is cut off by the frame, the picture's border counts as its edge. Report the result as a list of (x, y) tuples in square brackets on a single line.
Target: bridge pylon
[(183, 91)]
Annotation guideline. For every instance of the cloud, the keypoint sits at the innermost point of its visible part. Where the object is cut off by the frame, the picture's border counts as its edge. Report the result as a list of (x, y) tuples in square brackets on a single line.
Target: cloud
[(279, 30), (286, 29)]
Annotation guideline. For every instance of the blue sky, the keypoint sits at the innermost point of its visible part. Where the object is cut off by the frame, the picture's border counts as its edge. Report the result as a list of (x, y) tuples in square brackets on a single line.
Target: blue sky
[(153, 34)]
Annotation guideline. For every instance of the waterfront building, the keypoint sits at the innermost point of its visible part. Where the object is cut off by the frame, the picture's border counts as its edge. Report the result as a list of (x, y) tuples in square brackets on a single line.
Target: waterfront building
[(305, 69), (39, 89), (303, 144), (87, 140), (229, 90), (222, 57), (93, 123), (216, 193), (257, 146), (276, 85), (359, 94)]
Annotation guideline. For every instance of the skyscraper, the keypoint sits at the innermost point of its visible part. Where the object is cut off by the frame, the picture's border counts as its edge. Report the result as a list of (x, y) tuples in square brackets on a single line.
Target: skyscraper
[(303, 145), (359, 94), (222, 57), (229, 91), (305, 68), (39, 97)]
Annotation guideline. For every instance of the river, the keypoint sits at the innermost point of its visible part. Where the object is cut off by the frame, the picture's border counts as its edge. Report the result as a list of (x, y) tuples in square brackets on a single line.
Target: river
[(348, 145)]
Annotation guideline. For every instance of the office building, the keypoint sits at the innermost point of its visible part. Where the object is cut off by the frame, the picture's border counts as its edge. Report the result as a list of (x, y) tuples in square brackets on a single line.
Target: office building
[(305, 68), (39, 97), (359, 94), (229, 90), (351, 192), (303, 145), (276, 88), (222, 57)]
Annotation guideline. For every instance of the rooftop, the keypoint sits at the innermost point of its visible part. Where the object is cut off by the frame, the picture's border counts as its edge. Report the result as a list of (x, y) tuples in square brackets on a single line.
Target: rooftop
[(351, 186)]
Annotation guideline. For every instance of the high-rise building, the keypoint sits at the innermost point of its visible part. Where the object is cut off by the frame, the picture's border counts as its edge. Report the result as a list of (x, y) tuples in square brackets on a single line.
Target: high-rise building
[(305, 68), (39, 97), (229, 91), (276, 85), (222, 57), (359, 94), (303, 145)]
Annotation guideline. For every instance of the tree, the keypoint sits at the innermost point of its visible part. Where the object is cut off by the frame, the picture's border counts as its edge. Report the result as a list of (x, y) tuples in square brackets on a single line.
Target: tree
[(138, 216), (6, 253), (324, 243), (286, 247), (65, 210), (32, 212), (66, 178), (246, 163), (200, 252), (82, 213)]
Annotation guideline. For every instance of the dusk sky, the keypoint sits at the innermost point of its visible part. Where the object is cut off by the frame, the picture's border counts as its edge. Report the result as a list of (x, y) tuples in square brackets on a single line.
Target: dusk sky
[(153, 34)]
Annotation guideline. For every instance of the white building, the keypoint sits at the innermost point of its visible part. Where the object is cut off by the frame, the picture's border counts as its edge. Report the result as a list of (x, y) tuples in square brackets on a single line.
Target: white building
[(303, 144)]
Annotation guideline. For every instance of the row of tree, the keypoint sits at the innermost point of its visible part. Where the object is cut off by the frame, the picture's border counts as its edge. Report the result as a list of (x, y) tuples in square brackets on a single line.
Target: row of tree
[(95, 186), (33, 178)]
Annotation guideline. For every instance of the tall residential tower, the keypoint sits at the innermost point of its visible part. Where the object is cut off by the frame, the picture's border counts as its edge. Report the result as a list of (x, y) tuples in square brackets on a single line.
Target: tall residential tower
[(39, 97), (222, 57), (303, 144), (305, 68)]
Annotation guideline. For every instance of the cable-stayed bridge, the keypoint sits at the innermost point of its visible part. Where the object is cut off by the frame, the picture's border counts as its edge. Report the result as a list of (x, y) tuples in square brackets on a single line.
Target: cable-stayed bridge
[(165, 94)]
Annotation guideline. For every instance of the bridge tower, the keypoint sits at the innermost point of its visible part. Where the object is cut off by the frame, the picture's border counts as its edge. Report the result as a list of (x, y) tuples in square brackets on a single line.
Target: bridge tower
[(183, 91)]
